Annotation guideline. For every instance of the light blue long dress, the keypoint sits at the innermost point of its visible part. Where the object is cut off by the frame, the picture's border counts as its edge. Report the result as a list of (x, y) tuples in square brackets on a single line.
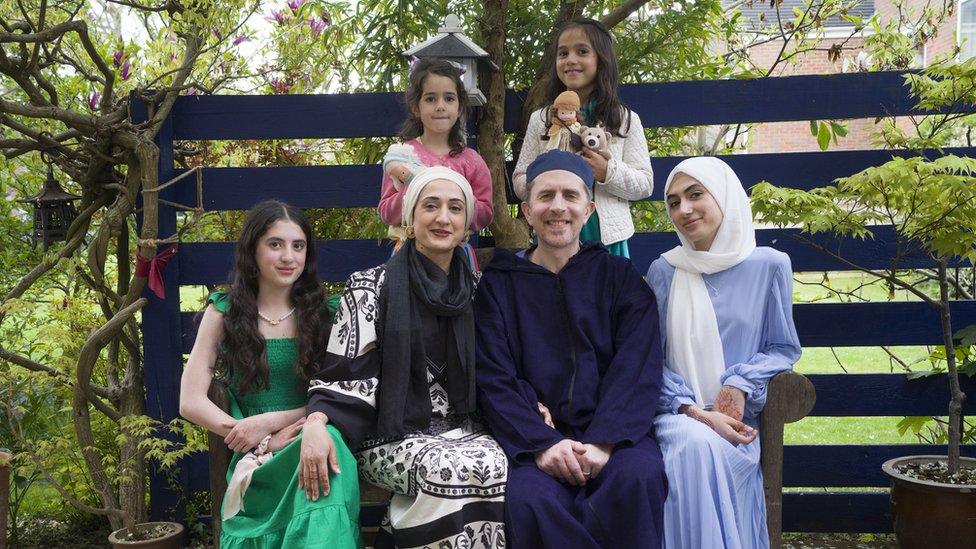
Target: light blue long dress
[(715, 497)]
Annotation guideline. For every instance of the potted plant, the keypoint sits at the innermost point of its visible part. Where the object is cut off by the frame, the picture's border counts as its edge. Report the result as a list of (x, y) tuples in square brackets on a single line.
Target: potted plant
[(130, 532), (149, 535), (928, 200)]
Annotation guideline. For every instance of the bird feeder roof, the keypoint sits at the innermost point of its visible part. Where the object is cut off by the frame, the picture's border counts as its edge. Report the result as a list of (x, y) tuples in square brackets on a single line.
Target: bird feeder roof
[(448, 42)]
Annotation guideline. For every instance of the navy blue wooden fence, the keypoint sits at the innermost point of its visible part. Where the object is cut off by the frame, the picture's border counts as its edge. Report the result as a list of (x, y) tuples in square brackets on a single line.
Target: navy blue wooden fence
[(169, 333)]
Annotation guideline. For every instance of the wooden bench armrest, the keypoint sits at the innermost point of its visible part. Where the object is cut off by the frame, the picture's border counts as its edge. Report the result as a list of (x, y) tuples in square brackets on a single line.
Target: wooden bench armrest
[(789, 398), (219, 460)]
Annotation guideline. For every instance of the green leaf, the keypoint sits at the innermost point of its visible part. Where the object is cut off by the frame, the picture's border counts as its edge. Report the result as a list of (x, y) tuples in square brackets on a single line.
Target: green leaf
[(967, 335), (839, 129), (915, 424), (813, 128), (823, 136)]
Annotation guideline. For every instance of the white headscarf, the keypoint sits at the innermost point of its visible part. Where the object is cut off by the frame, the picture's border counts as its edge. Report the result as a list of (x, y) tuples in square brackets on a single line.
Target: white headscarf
[(433, 173), (694, 347)]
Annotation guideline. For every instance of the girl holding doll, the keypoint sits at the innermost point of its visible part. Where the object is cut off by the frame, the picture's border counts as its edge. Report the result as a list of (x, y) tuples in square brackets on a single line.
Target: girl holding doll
[(433, 135), (586, 63)]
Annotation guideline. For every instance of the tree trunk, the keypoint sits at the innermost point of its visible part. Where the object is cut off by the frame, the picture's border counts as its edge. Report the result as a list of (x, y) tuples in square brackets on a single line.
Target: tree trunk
[(508, 231), (955, 403), (132, 462)]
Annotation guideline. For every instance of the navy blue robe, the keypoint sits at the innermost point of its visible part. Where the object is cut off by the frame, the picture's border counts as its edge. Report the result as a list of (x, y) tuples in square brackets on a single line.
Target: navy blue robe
[(584, 342)]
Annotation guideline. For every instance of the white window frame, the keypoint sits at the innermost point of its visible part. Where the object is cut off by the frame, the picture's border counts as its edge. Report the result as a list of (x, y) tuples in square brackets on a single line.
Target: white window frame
[(972, 42)]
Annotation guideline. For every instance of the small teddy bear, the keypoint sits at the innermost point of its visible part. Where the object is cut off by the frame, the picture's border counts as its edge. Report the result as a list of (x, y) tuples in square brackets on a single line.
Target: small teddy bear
[(596, 139)]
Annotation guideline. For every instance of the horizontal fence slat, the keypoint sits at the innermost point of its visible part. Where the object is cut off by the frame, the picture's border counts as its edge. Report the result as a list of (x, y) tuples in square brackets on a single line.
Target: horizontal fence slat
[(872, 253), (353, 186), (873, 324), (887, 395), (287, 116), (687, 103), (359, 185), (848, 465), (806, 97), (209, 262), (836, 512), (796, 170)]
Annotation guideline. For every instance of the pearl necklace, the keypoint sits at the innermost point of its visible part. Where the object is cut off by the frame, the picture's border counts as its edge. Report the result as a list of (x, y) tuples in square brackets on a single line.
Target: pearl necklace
[(276, 322)]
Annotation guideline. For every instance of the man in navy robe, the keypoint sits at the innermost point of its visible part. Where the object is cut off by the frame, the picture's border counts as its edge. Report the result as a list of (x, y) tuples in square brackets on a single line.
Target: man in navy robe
[(574, 329)]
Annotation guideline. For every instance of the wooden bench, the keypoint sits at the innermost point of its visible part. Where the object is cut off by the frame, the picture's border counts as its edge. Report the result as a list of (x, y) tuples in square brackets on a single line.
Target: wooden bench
[(790, 397), (810, 471)]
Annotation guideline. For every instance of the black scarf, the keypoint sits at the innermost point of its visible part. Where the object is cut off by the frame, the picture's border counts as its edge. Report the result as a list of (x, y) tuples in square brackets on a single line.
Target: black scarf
[(412, 282)]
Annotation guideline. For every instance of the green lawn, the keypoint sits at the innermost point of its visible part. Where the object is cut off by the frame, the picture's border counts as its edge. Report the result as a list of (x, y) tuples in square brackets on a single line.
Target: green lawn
[(854, 360)]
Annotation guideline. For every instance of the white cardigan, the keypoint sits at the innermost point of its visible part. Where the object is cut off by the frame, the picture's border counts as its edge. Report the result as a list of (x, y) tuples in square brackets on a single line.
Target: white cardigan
[(629, 175)]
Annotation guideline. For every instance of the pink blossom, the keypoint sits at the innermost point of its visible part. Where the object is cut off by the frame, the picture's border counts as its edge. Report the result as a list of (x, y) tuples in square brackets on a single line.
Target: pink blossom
[(125, 70), (278, 16), (93, 100), (192, 91), (241, 38), (280, 85), (317, 25), (295, 5), (117, 58)]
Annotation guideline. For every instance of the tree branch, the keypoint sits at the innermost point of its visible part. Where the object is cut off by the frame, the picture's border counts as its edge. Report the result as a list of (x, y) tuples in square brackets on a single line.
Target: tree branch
[(98, 392), (83, 428), (168, 6), (892, 279), (86, 124), (622, 12)]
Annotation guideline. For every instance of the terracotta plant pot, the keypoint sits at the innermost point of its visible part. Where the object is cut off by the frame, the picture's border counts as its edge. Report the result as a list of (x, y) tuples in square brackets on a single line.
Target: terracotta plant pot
[(930, 514), (173, 540)]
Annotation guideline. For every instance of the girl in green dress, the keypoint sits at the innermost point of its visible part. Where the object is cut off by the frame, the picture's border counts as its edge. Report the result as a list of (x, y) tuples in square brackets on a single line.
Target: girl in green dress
[(267, 332)]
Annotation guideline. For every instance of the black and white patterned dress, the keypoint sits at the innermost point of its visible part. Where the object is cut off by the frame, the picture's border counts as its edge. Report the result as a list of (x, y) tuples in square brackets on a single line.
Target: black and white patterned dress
[(449, 480)]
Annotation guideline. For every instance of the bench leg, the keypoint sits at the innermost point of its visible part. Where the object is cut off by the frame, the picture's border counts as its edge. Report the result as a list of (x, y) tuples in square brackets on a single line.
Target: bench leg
[(772, 467), (789, 398), (219, 458)]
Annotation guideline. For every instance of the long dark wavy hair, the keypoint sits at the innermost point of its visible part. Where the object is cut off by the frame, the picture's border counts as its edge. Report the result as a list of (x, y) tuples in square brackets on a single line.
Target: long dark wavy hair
[(412, 126), (609, 109), (243, 354)]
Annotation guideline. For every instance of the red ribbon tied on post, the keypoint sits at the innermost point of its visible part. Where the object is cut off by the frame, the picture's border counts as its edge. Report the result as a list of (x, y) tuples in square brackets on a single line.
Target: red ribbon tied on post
[(153, 269)]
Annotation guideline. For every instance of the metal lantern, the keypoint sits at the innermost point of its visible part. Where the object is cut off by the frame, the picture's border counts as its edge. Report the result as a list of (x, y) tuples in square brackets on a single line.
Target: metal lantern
[(54, 210), (452, 45)]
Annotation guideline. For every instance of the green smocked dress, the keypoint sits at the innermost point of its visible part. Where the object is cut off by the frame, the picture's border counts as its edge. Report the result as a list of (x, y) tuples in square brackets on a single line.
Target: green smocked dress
[(276, 513), (591, 230)]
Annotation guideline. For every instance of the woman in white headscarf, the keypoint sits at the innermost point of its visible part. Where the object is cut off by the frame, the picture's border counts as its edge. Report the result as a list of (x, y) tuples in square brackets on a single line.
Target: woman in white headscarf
[(727, 323), (397, 381)]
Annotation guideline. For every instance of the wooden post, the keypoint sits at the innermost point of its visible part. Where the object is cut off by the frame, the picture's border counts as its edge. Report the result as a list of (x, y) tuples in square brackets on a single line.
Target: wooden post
[(5, 458), (219, 460), (790, 398)]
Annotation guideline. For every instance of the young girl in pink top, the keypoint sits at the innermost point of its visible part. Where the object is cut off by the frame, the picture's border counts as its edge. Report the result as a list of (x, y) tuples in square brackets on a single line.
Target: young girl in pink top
[(433, 135)]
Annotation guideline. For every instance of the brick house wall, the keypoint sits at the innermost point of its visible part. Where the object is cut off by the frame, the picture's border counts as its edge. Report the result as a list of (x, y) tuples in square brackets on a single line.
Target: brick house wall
[(796, 136)]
